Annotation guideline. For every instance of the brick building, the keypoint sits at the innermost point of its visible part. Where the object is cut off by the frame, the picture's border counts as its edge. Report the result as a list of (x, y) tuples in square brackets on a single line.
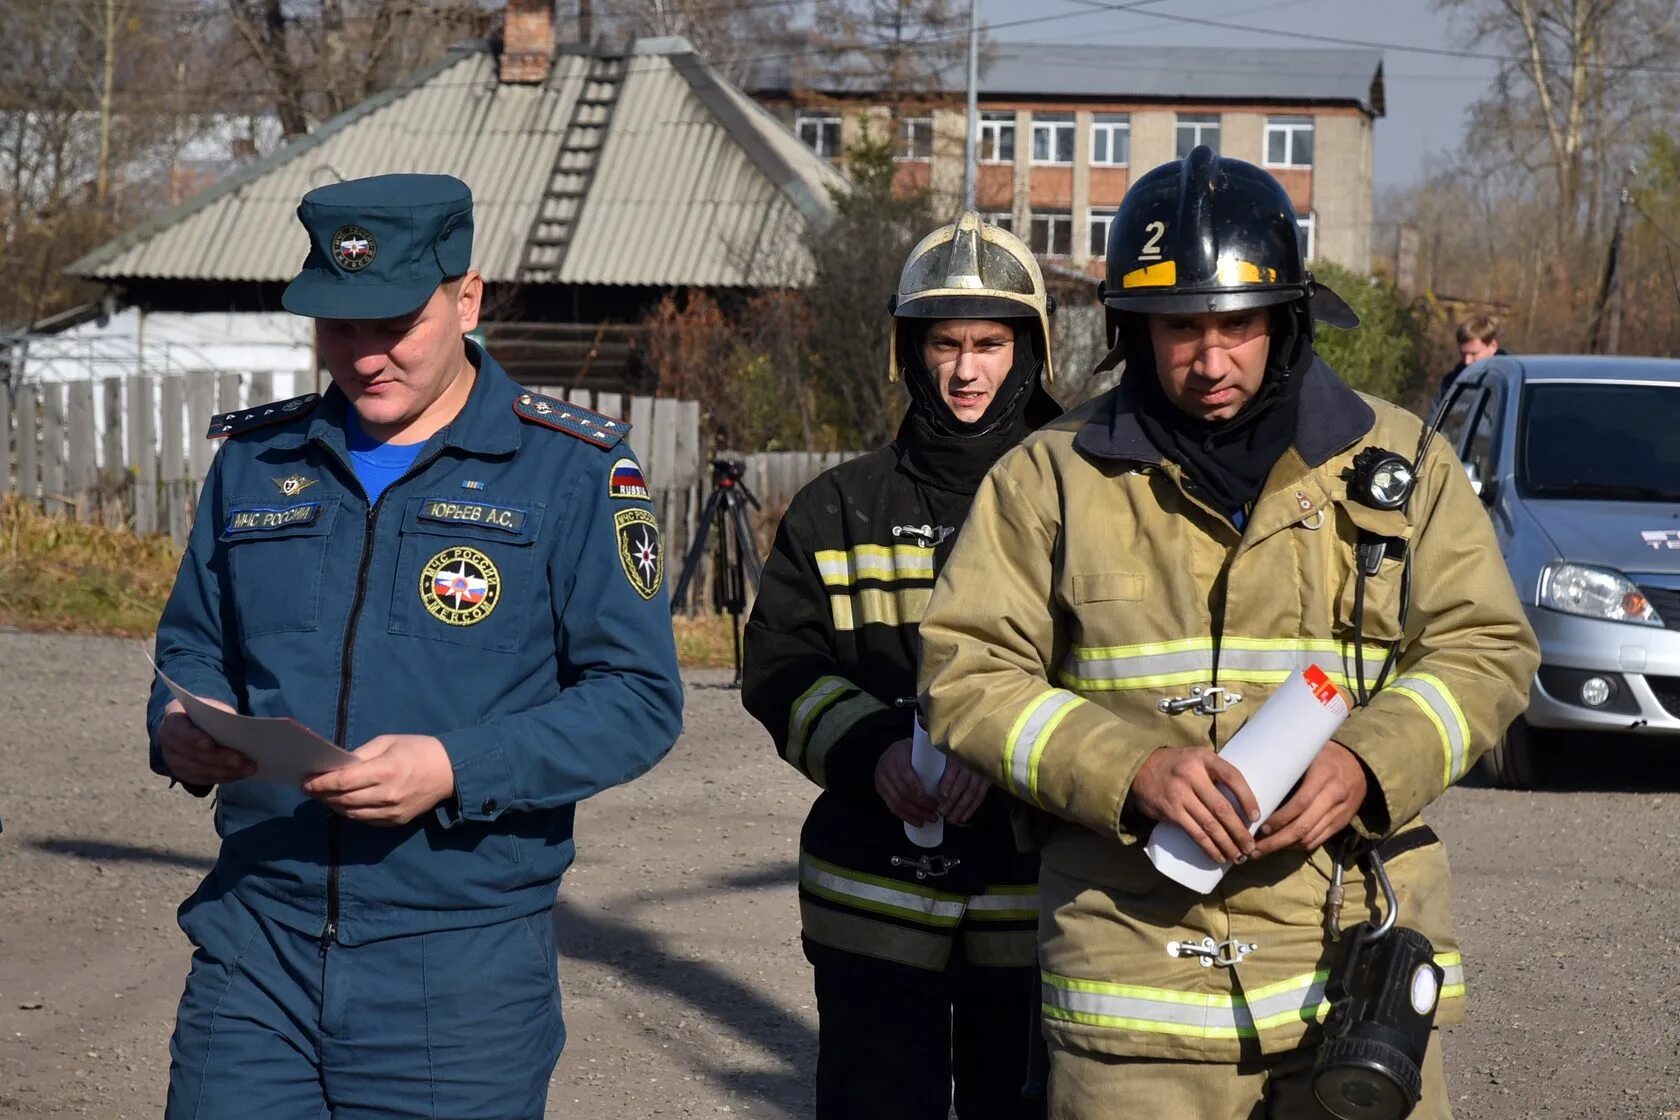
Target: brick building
[(1063, 128)]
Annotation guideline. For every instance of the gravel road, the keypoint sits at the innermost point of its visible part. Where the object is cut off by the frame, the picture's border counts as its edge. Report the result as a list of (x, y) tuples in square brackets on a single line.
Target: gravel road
[(686, 993)]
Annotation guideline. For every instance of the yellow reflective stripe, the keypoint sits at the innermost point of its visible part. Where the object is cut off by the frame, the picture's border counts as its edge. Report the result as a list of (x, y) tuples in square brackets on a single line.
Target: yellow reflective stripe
[(1004, 904), (823, 692), (1204, 1014), (879, 895), (877, 605), (843, 567), (1430, 694), (1161, 275), (1192, 1014), (869, 935), (1190, 661), (1025, 744), (836, 721)]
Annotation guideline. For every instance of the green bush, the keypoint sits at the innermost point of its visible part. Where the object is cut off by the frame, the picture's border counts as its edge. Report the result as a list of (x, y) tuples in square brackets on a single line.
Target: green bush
[(1384, 355)]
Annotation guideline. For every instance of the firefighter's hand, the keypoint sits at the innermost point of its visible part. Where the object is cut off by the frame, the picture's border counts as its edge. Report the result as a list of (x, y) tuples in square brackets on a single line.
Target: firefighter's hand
[(394, 779), (961, 791), (192, 756), (1330, 793), (1182, 785), (899, 787)]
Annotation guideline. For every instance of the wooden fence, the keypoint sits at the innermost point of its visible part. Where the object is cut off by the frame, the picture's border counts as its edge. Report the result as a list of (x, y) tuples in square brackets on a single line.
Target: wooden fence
[(131, 451)]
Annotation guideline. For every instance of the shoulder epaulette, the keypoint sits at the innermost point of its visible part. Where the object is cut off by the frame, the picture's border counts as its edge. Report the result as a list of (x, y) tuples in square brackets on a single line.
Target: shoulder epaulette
[(260, 416), (575, 420)]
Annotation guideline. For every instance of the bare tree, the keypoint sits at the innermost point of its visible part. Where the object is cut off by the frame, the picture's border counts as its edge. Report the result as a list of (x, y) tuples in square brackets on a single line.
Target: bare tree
[(321, 57)]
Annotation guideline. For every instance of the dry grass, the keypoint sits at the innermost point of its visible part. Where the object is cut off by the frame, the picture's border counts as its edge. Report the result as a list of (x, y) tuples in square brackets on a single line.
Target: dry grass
[(71, 577), (704, 640)]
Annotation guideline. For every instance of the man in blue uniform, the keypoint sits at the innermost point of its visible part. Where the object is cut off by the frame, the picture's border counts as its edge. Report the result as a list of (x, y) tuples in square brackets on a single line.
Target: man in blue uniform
[(462, 582)]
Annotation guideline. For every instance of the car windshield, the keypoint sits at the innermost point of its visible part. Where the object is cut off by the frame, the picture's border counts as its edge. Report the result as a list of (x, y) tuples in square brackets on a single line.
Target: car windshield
[(1585, 439)]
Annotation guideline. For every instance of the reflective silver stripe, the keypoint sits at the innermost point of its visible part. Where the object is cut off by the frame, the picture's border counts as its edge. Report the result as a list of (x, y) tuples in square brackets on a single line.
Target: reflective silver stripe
[(805, 709), (1003, 905), (1190, 661), (843, 567), (883, 896), (1205, 1014), (832, 723), (1026, 740), (1200, 1015), (1430, 694)]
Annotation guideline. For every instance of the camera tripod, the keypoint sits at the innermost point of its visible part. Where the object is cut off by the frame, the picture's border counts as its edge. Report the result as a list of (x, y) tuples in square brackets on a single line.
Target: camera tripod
[(736, 558)]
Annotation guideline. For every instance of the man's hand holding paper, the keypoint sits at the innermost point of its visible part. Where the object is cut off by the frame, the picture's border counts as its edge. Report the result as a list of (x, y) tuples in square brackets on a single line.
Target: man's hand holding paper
[(394, 779), (192, 756), (1187, 786), (1330, 793)]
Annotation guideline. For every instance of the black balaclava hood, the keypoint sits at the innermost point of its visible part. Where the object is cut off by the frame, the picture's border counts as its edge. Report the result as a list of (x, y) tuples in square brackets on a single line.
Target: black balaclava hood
[(1226, 462), (948, 453)]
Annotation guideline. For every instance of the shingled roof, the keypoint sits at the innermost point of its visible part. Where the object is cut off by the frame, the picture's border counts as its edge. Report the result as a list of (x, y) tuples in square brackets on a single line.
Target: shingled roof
[(694, 184)]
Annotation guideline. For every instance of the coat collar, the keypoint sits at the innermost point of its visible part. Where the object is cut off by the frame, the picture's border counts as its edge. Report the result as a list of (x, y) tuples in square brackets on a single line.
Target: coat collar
[(486, 424), (1332, 418)]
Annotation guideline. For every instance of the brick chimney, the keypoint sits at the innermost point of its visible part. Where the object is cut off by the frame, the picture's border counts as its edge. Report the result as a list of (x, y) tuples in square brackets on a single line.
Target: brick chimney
[(527, 41)]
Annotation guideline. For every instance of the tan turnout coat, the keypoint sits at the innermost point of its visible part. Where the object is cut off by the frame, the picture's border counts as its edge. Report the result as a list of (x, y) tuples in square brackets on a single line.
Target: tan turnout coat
[(1087, 586)]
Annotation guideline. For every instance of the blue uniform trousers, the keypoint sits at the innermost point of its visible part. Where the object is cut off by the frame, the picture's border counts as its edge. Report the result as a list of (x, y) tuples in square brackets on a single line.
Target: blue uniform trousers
[(451, 1025)]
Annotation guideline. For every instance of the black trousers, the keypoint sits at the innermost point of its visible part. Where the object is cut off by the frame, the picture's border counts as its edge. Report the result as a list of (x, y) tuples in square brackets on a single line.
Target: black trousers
[(893, 1041)]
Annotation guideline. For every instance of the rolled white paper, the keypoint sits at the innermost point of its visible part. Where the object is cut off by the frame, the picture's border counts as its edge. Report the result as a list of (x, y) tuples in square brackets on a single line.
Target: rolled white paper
[(929, 764), (1273, 749)]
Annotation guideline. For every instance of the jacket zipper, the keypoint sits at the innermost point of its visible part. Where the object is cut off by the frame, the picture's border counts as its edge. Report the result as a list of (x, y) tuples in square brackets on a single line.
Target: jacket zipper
[(341, 724)]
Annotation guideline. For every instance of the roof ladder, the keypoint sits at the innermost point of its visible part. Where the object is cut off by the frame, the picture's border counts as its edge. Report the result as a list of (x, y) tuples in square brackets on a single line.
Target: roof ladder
[(574, 168)]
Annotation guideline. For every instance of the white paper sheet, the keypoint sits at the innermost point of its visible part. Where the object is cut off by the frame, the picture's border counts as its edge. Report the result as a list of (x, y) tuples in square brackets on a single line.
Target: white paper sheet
[(1273, 749), (928, 762), (285, 751)]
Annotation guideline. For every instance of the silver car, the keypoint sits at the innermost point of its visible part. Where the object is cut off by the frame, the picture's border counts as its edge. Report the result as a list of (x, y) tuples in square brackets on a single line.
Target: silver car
[(1578, 461)]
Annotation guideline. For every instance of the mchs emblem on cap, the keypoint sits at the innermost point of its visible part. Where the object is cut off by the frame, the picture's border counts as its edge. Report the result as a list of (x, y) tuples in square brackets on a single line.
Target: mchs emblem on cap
[(353, 248)]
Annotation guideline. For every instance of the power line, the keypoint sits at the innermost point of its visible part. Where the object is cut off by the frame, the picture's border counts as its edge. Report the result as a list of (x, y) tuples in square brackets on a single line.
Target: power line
[(1402, 48)]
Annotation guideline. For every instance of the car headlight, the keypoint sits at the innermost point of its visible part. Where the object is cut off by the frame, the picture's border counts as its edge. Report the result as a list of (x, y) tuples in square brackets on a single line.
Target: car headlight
[(1595, 593)]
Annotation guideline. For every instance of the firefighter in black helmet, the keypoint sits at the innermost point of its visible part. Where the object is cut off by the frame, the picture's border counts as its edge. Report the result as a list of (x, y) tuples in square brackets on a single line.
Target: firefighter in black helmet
[(1133, 583)]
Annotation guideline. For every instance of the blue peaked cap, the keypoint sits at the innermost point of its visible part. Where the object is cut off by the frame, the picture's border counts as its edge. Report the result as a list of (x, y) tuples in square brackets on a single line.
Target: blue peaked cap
[(379, 247)]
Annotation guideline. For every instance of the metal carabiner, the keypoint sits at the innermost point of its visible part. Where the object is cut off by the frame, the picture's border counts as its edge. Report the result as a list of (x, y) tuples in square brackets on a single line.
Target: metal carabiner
[(1225, 954), (1204, 700), (927, 867), (1334, 899)]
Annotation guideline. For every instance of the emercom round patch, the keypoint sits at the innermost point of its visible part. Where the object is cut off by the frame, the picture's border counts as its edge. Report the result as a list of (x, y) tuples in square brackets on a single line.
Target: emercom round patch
[(353, 248), (460, 586), (640, 550)]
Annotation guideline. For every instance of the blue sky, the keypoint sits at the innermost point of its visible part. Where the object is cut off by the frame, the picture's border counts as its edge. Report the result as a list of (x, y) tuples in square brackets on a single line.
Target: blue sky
[(1427, 95)]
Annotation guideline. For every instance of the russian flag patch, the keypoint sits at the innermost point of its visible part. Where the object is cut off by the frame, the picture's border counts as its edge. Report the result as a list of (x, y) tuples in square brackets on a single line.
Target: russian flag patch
[(626, 482)]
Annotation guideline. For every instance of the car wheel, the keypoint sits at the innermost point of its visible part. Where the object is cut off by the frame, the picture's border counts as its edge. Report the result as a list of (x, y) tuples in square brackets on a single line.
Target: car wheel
[(1514, 761)]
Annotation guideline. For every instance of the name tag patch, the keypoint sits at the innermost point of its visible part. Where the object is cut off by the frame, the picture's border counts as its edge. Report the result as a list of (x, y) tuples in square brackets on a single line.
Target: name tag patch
[(256, 518), (473, 513)]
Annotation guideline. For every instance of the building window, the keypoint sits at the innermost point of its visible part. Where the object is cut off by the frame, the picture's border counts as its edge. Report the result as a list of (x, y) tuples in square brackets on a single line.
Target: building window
[(1099, 222), (997, 137), (1195, 129), (1052, 137), (1289, 141), (1305, 223), (1052, 233), (1004, 220), (1111, 139), (820, 133), (915, 138)]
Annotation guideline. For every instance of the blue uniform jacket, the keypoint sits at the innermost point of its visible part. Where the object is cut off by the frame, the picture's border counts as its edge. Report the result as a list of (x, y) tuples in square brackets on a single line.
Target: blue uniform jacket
[(505, 595)]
